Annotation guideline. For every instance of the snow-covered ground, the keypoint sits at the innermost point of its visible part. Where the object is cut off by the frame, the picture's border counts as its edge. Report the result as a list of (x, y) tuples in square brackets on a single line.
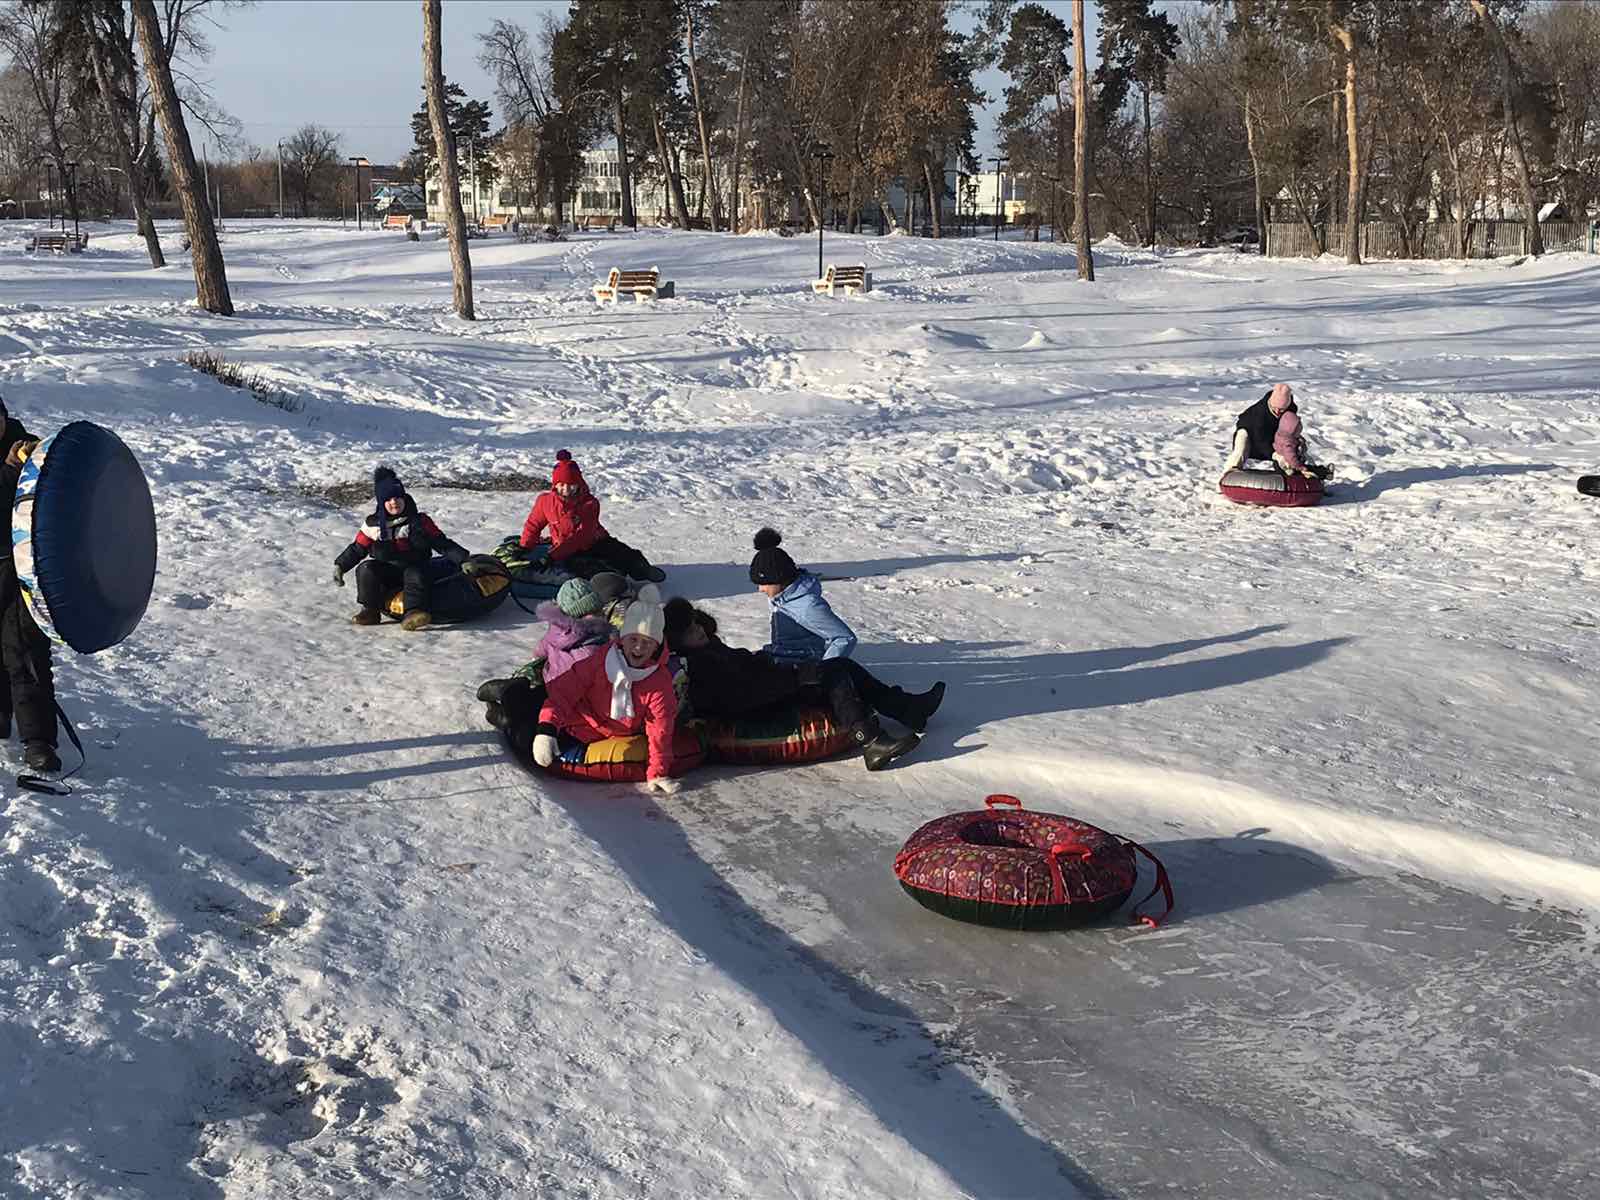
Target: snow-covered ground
[(303, 930)]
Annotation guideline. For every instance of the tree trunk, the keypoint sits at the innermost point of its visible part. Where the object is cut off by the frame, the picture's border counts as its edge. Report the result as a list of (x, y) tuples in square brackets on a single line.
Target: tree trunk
[(1352, 211), (122, 142), (444, 142), (700, 120), (883, 207), (1080, 145), (674, 177), (624, 176), (1255, 173), (738, 145), (935, 198), (1530, 205), (210, 276), (1149, 177)]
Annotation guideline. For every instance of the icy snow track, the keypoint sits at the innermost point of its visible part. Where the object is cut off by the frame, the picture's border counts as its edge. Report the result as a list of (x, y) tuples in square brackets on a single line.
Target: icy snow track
[(303, 930)]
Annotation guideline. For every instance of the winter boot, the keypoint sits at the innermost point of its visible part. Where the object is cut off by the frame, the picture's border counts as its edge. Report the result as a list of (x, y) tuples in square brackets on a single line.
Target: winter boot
[(878, 748), (922, 705), (653, 575), (492, 691), (497, 716), (416, 619), (367, 616), (41, 756)]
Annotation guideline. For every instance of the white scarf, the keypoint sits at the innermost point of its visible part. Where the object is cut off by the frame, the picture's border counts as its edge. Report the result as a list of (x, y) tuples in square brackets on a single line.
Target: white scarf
[(623, 677)]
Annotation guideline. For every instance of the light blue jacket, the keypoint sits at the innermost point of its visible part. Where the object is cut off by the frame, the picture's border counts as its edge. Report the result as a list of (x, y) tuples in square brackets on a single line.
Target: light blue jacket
[(804, 627)]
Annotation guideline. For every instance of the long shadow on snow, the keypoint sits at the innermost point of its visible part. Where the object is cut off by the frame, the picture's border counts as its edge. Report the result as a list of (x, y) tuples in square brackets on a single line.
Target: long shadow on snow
[(128, 1110), (945, 1113), (1385, 481), (987, 685)]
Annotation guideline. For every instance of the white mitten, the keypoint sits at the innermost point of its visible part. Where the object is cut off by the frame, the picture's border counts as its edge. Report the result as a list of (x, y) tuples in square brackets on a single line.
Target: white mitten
[(545, 749), (663, 786)]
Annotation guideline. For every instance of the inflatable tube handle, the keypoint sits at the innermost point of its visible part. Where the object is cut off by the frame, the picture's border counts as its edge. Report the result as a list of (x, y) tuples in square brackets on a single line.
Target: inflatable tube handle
[(1163, 885), (996, 800), (1058, 883)]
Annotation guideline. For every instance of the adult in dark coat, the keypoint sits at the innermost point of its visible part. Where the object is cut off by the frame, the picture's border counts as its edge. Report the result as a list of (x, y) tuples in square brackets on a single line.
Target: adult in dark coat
[(725, 681), (395, 543), (29, 682)]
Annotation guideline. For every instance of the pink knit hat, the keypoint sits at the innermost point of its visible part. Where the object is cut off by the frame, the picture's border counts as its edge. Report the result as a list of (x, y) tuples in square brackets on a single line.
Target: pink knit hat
[(1282, 396)]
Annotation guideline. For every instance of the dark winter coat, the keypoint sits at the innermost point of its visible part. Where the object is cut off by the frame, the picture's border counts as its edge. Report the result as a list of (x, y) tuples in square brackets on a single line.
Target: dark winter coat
[(408, 540), (27, 683), (728, 682), (1260, 425)]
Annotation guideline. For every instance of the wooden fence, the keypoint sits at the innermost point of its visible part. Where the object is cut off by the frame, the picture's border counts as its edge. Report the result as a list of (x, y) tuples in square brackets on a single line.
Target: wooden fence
[(1436, 239)]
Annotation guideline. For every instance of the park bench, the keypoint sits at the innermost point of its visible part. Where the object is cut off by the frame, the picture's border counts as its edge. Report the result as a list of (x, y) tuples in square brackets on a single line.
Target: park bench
[(397, 221), (57, 243), (850, 279), (641, 285), (605, 224), (497, 221), (537, 233)]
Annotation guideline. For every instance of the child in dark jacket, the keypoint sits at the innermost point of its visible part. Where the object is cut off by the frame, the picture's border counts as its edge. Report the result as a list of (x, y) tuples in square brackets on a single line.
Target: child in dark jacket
[(729, 682), (570, 513), (1270, 431), (27, 683), (395, 543)]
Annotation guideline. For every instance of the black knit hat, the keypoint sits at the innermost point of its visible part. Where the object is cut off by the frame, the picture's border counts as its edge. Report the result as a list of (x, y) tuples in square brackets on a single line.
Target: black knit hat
[(679, 616), (386, 485), (771, 564)]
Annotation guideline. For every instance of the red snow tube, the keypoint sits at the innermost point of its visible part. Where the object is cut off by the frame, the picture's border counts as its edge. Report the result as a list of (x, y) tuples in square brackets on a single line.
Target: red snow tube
[(784, 735), (1023, 870), (1271, 488)]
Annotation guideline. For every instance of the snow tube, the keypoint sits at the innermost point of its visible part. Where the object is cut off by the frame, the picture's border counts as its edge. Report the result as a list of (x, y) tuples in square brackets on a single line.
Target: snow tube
[(614, 760), (782, 735), (456, 596), (1023, 870), (83, 537), (532, 578), (1272, 488)]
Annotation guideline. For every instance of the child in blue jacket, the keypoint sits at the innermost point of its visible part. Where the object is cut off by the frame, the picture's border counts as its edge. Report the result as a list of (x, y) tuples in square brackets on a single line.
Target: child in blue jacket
[(803, 626)]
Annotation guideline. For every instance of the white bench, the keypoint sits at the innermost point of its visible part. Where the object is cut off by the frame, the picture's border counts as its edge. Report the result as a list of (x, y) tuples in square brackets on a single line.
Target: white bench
[(641, 285), (850, 279), (58, 243)]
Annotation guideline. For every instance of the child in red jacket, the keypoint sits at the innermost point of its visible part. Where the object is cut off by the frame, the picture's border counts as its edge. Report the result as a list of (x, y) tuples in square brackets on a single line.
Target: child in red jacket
[(577, 540), (625, 691)]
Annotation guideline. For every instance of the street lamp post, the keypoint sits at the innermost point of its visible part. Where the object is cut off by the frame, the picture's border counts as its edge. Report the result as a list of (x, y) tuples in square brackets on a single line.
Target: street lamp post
[(72, 197), (280, 179), (356, 162), (50, 191), (999, 166), (823, 157)]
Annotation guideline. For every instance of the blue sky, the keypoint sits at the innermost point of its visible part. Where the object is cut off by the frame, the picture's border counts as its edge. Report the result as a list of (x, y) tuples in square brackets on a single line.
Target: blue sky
[(355, 66)]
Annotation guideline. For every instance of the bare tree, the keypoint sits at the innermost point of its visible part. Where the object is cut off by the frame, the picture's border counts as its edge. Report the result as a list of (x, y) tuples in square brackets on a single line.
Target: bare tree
[(26, 34), (210, 276), (311, 162), (449, 172), (1080, 144), (1508, 89)]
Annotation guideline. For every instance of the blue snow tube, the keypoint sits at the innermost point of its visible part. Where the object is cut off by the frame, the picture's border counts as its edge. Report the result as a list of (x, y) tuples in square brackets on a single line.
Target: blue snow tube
[(83, 537)]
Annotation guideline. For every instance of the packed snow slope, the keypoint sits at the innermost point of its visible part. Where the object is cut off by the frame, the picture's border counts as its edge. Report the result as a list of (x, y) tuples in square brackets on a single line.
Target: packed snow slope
[(303, 930)]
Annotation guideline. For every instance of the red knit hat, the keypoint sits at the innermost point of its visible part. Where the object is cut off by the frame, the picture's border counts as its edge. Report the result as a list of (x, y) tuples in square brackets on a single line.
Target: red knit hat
[(566, 471)]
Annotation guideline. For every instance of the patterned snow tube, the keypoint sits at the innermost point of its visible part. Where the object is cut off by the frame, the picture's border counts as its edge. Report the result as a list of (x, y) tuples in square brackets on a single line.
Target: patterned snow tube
[(1023, 870), (784, 735), (1271, 488), (614, 760), (83, 537), (455, 596), (531, 577)]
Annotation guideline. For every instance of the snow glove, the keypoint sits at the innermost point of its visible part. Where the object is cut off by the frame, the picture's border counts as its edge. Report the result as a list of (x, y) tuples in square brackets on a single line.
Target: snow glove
[(545, 749), (663, 786), (338, 576)]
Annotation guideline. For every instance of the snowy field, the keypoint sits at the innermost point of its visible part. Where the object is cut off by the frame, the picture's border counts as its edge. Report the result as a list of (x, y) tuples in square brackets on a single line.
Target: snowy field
[(303, 930)]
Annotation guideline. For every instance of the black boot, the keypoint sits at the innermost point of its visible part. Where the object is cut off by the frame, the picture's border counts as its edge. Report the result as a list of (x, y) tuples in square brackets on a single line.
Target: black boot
[(41, 756), (497, 716), (922, 705), (878, 748), (494, 690)]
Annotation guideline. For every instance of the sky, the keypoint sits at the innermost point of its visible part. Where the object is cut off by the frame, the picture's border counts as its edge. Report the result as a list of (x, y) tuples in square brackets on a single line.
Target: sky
[(355, 66)]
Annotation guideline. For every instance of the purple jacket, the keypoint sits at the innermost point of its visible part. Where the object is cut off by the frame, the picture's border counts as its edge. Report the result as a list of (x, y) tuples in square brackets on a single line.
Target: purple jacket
[(1288, 444), (569, 640)]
